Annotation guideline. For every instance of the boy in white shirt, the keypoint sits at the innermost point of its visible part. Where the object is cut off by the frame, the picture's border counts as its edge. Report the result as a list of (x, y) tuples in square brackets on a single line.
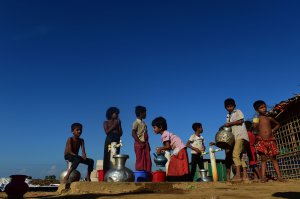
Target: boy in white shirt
[(235, 120), (196, 144)]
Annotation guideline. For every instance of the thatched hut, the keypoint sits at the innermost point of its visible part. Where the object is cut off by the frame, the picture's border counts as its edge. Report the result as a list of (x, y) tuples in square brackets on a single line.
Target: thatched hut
[(287, 138)]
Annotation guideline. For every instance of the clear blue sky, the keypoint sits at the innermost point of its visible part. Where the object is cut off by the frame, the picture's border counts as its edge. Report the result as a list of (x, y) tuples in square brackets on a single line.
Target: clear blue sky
[(68, 61)]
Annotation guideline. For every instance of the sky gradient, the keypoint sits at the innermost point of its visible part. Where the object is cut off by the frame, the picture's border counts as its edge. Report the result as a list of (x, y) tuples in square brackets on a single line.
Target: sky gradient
[(69, 61)]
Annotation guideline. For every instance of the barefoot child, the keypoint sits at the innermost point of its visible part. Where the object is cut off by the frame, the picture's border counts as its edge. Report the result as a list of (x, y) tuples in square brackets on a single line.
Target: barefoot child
[(266, 145), (251, 151), (196, 144), (71, 153), (235, 120), (178, 169), (141, 143)]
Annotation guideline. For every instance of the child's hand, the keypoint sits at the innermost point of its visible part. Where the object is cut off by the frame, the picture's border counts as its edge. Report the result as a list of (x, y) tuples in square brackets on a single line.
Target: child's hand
[(158, 150), (84, 156), (143, 145), (226, 125), (198, 150)]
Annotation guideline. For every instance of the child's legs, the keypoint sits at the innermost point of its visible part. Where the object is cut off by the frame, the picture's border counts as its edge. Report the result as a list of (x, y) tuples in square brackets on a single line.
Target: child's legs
[(75, 159), (276, 166), (236, 155), (256, 172), (193, 166), (263, 166), (200, 162), (89, 162), (228, 162)]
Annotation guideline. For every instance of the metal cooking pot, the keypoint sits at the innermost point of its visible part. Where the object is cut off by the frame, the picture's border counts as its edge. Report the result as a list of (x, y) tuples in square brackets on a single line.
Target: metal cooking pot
[(224, 138), (160, 159)]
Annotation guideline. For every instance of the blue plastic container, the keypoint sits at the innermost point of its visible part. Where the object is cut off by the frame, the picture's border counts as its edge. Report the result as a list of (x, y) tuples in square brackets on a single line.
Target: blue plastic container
[(141, 176)]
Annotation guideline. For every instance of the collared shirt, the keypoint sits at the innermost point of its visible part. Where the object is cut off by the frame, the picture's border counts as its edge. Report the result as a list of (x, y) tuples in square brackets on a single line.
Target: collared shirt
[(197, 142), (175, 142), (141, 128), (239, 131)]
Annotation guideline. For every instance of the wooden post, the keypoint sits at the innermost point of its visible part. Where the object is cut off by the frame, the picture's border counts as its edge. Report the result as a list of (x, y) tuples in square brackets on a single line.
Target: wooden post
[(213, 164)]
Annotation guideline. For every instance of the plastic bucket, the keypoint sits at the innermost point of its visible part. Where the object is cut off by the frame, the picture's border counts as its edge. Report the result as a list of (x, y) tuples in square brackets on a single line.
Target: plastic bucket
[(100, 175), (141, 176), (158, 176)]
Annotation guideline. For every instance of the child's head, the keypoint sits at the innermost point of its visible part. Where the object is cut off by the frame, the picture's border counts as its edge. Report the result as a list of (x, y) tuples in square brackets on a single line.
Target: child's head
[(260, 106), (229, 104), (159, 124), (76, 125), (76, 129), (140, 111), (197, 126), (248, 125), (112, 112)]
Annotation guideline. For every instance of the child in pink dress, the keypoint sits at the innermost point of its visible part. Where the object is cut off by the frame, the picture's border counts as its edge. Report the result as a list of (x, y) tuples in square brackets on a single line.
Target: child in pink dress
[(178, 169)]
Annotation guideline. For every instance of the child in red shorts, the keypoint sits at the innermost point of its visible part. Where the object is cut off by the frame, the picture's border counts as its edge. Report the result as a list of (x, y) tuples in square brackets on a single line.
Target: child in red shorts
[(265, 141)]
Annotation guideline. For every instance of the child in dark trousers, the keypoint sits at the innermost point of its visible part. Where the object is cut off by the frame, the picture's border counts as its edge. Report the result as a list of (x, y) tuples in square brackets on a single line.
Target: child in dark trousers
[(196, 144), (71, 153)]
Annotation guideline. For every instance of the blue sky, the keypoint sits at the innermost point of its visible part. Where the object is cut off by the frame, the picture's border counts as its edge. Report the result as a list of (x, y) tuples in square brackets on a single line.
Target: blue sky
[(68, 61)]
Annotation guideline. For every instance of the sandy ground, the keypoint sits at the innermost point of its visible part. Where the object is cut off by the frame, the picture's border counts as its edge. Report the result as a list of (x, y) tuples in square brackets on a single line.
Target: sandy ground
[(254, 190)]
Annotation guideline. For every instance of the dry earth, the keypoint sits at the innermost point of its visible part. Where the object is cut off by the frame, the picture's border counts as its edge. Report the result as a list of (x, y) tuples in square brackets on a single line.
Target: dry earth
[(219, 190)]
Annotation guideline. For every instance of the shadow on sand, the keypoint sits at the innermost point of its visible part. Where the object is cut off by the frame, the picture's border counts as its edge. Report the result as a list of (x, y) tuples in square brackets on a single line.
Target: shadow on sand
[(86, 196), (288, 195)]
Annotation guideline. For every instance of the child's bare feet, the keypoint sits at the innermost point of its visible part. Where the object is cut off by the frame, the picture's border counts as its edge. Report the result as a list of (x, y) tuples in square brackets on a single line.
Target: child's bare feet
[(263, 179), (87, 179), (280, 179), (255, 179), (246, 179), (237, 179)]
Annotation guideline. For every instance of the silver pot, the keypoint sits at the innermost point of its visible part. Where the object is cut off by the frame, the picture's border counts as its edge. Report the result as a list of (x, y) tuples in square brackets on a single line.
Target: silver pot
[(119, 173), (204, 177), (224, 138), (160, 159), (74, 176)]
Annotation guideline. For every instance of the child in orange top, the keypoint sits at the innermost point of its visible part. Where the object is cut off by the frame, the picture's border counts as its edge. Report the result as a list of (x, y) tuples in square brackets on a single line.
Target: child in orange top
[(266, 145)]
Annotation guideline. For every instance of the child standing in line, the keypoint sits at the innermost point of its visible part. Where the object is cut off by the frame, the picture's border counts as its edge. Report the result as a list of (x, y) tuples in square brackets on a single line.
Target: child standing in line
[(141, 142), (113, 130), (196, 144), (71, 152), (251, 151), (266, 145), (235, 120), (178, 169)]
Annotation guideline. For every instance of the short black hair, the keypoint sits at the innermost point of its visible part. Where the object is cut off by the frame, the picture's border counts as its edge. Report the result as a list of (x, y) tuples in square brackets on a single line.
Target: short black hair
[(196, 125), (248, 125), (139, 110), (110, 111), (76, 125), (160, 122), (229, 101), (258, 103)]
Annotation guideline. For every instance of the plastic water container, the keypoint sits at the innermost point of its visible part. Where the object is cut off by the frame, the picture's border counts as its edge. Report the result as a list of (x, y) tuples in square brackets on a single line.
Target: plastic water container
[(158, 176), (141, 176), (100, 175)]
